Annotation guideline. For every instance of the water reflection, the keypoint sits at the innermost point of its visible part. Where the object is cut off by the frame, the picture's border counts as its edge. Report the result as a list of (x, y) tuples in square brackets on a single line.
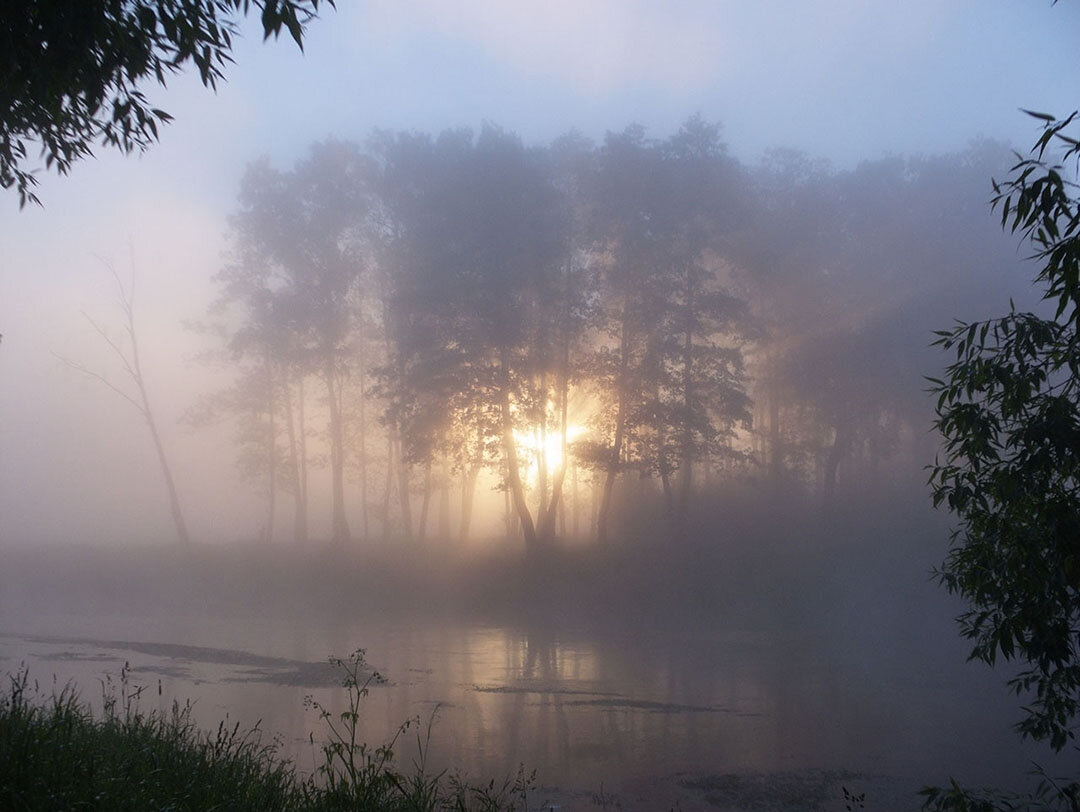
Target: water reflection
[(583, 707)]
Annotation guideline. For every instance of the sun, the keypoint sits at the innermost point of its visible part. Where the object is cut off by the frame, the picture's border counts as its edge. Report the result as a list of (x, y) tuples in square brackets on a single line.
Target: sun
[(530, 445)]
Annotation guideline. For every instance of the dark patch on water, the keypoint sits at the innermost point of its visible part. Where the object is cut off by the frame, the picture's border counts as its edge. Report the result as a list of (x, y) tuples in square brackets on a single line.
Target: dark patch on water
[(540, 689), (603, 699), (772, 792), (646, 705), (298, 675), (255, 667), (78, 656), (174, 671)]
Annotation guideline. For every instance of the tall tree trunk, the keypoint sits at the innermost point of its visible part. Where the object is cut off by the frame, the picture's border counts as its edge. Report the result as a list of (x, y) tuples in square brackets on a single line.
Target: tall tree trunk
[(513, 472), (444, 503), (174, 500), (363, 457), (170, 485), (550, 511), (669, 501), (302, 426), (340, 525), (682, 518), (621, 382), (299, 497), (468, 497), (687, 462), (271, 454), (389, 486), (421, 531), (508, 508), (594, 503), (775, 446), (133, 368), (841, 440), (575, 501), (404, 470), (546, 529), (542, 461)]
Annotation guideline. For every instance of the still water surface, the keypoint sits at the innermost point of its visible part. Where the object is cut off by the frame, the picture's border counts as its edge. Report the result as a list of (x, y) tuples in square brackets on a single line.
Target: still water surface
[(647, 714)]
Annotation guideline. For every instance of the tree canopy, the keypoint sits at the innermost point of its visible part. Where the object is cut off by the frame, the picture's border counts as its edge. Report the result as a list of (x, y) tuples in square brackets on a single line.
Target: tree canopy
[(74, 70), (601, 336)]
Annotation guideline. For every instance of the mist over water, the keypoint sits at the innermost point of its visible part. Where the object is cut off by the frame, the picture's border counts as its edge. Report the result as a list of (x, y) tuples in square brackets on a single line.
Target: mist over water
[(792, 667), (570, 363)]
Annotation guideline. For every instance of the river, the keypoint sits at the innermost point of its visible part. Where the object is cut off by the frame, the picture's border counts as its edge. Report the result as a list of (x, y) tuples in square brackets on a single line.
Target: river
[(686, 712)]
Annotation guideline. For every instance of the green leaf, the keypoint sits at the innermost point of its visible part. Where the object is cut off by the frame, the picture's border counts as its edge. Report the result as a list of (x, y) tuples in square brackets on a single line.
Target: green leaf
[(1041, 116)]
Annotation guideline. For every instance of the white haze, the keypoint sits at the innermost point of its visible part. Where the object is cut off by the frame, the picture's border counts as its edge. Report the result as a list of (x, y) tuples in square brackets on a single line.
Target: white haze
[(844, 80)]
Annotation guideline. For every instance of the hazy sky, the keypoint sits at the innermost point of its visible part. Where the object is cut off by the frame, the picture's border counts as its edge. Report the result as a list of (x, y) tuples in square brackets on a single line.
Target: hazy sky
[(843, 79)]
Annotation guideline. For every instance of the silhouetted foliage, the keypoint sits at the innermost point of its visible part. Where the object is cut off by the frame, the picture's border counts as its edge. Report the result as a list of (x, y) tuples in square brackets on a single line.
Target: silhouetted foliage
[(1009, 412), (73, 70)]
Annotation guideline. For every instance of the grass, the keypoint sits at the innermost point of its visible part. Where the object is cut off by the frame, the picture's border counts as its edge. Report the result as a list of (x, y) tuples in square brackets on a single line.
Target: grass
[(56, 754)]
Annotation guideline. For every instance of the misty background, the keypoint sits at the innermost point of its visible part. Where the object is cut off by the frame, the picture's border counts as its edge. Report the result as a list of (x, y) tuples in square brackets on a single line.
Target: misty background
[(824, 169), (843, 82)]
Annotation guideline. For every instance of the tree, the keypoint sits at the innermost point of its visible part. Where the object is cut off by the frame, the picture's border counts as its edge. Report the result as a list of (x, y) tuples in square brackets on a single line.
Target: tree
[(140, 400), (1009, 412), (631, 308), (478, 289), (295, 286), (667, 362), (252, 317), (701, 364), (73, 70)]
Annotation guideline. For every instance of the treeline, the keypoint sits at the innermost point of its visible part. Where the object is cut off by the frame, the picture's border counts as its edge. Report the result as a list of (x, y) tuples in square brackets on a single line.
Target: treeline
[(582, 326)]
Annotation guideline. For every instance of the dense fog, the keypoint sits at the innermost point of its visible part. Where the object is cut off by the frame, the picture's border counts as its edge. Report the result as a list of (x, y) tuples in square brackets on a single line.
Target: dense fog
[(852, 150), (564, 321), (460, 335)]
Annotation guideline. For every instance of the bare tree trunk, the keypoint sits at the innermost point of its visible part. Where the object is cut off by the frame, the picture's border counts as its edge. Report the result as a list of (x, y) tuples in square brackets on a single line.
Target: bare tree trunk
[(340, 532), (468, 498), (508, 512), (174, 500), (620, 422), (389, 486), (302, 426), (574, 503), (841, 441), (542, 462), (513, 472), (682, 511), (363, 458), (562, 518), (686, 464), (271, 454), (133, 368), (669, 499), (604, 509), (594, 503), (299, 496), (404, 470), (444, 503), (422, 529), (548, 516), (775, 448)]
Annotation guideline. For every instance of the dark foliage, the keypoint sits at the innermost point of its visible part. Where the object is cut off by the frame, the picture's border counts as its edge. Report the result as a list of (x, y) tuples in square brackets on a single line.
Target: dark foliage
[(56, 754), (73, 70), (1009, 414)]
